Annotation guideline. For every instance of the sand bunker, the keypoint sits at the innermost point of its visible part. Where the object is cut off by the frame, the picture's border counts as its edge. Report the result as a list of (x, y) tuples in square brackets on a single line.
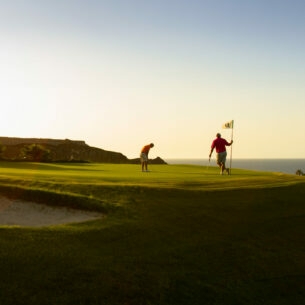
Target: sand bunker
[(24, 213)]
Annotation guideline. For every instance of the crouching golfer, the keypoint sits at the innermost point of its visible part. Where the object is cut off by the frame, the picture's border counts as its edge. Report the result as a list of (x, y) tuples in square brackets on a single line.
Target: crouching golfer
[(144, 156), (221, 153)]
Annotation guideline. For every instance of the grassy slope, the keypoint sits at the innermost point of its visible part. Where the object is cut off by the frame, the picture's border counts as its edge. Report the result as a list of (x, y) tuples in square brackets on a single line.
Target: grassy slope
[(177, 235)]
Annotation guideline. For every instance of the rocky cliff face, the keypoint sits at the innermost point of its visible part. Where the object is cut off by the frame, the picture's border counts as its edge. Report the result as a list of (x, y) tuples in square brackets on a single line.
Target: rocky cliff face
[(65, 151)]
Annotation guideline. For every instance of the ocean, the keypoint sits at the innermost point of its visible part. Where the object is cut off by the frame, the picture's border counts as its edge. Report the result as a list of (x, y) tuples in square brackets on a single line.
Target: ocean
[(287, 166)]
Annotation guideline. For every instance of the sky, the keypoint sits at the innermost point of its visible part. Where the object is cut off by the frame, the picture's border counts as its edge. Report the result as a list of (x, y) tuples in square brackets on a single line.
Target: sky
[(120, 74)]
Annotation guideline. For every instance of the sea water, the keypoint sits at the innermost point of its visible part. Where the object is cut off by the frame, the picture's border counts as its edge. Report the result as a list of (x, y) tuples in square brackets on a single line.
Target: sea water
[(288, 166)]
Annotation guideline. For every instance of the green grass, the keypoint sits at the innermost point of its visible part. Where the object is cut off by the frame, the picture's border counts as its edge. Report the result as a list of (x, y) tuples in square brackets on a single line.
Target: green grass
[(176, 235)]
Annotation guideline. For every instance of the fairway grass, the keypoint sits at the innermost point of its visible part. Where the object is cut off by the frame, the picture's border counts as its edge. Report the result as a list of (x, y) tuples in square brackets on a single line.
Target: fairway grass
[(176, 235)]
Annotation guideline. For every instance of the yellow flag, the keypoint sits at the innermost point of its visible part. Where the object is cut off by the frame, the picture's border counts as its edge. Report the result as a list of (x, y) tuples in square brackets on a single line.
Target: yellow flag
[(228, 125)]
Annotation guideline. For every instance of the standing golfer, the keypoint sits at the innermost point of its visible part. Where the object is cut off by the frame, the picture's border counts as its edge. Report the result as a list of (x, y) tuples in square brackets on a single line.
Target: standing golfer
[(144, 156), (221, 153)]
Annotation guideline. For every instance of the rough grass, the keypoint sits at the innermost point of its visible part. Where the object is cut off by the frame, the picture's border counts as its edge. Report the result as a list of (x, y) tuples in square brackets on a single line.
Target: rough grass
[(176, 235)]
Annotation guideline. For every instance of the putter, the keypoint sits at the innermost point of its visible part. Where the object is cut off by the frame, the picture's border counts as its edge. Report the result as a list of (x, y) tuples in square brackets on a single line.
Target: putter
[(208, 166)]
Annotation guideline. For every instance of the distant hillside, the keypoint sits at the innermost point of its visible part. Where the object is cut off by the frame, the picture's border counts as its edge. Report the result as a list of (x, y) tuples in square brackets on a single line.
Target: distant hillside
[(64, 151)]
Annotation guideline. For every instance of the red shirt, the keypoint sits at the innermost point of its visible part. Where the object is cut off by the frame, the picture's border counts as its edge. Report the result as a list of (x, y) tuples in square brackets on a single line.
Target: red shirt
[(145, 149), (220, 145)]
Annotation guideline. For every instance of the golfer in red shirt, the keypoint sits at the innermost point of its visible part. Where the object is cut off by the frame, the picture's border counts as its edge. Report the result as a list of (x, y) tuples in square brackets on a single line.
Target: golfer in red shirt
[(144, 156), (221, 153)]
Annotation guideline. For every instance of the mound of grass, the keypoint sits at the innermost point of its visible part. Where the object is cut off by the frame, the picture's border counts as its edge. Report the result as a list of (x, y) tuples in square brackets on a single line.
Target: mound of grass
[(176, 235)]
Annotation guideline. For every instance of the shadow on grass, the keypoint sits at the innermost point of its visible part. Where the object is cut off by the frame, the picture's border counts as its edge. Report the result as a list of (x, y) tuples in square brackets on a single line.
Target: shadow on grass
[(55, 199)]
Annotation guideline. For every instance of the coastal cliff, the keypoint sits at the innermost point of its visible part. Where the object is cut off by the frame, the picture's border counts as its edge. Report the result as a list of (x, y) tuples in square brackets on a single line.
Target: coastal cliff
[(58, 150)]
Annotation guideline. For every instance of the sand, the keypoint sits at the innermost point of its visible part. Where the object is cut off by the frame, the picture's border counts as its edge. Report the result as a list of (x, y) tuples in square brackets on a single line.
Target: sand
[(24, 213)]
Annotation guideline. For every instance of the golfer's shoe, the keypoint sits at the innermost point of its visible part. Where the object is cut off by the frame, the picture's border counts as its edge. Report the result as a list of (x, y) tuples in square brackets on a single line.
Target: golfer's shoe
[(227, 171)]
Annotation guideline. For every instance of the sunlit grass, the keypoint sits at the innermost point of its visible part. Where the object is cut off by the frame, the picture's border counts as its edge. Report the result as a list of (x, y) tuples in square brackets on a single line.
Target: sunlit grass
[(173, 176)]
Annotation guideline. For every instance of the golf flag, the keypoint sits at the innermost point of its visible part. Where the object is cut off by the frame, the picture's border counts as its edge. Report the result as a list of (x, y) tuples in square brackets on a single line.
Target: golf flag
[(228, 125)]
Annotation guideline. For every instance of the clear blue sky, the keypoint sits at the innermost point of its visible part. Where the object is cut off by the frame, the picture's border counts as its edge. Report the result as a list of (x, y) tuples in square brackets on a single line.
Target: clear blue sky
[(121, 74)]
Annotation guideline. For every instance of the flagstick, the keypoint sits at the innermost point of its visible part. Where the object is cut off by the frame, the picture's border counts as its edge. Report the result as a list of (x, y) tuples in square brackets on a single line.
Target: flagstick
[(227, 126), (231, 150)]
